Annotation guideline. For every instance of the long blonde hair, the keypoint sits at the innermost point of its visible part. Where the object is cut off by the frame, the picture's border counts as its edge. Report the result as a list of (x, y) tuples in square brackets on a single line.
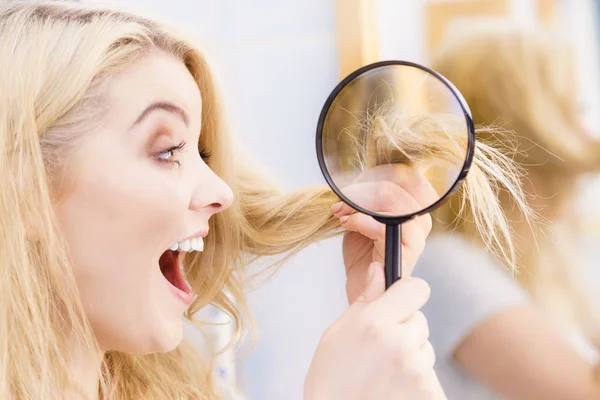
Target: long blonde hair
[(55, 60), (525, 82)]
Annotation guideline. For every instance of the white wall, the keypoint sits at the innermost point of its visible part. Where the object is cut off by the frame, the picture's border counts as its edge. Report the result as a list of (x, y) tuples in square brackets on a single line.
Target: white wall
[(580, 25), (401, 30)]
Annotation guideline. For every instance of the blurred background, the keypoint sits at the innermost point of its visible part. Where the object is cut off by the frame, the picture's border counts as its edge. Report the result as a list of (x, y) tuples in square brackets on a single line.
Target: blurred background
[(278, 60)]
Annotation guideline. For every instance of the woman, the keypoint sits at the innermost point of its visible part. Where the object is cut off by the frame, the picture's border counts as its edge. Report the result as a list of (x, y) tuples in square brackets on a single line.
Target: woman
[(501, 336), (117, 182)]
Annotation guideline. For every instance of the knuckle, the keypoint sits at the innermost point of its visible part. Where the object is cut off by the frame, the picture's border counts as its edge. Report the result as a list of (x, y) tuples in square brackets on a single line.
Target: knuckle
[(419, 371), (376, 333), (416, 375), (427, 358), (421, 325), (401, 356), (430, 355), (421, 287), (372, 329), (418, 366)]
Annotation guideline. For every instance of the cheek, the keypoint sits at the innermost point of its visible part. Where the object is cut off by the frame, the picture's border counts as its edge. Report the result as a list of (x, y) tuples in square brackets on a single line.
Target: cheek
[(122, 217), (117, 225)]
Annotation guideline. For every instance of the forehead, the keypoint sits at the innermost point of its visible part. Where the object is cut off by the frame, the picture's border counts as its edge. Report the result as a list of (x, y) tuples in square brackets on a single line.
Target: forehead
[(156, 78)]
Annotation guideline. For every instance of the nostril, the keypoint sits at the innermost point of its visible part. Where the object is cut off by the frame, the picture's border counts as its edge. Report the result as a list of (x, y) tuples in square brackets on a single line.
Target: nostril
[(217, 206), (214, 207), (216, 197), (224, 200)]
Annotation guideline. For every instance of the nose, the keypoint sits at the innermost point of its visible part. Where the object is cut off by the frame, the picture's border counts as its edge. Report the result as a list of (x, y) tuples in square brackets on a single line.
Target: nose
[(212, 194)]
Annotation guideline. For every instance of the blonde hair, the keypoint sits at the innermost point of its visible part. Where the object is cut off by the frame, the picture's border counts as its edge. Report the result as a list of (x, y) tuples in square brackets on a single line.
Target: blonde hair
[(524, 82), (55, 60)]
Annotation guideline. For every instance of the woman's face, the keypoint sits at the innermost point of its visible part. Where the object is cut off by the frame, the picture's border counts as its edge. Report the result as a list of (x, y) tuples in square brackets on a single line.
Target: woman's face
[(141, 188)]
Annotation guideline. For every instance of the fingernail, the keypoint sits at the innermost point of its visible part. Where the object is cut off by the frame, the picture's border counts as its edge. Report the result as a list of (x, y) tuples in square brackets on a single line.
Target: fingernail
[(344, 218), (336, 207)]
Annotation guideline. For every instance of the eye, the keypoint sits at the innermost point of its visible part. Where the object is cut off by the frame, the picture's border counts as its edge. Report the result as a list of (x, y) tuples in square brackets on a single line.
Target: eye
[(168, 155), (204, 154)]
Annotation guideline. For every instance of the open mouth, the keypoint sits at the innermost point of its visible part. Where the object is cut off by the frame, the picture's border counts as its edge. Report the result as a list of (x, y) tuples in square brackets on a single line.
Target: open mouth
[(169, 264)]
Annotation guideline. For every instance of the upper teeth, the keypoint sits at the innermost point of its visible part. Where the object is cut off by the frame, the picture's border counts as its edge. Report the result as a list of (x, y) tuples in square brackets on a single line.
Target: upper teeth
[(195, 244)]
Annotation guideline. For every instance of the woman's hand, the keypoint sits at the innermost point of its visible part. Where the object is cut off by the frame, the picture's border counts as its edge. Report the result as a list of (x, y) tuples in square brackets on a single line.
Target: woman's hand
[(378, 349), (387, 189)]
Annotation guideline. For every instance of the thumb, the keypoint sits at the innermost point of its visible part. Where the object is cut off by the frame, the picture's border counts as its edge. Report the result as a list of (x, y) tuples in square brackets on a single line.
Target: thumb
[(375, 284)]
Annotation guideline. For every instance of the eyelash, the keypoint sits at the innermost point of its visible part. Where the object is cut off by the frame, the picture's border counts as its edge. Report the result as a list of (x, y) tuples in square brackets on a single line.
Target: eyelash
[(174, 149), (204, 154), (170, 152)]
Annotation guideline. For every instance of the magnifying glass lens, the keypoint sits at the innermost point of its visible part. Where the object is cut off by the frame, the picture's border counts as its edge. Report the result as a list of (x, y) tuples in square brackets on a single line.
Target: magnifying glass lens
[(391, 127), (394, 140)]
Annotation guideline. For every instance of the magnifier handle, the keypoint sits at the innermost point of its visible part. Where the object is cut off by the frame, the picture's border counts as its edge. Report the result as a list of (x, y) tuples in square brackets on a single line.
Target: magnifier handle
[(393, 254)]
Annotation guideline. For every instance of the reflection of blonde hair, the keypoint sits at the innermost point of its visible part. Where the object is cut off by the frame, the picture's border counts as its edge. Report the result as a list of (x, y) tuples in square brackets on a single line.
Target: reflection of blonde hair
[(525, 82), (54, 62)]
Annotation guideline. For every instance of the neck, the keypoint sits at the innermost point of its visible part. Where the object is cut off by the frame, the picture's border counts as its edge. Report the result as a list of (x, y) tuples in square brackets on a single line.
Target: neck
[(85, 370)]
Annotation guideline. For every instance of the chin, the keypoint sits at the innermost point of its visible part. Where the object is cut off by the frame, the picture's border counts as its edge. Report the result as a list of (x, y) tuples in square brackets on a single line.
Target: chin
[(165, 338), (152, 338), (169, 343)]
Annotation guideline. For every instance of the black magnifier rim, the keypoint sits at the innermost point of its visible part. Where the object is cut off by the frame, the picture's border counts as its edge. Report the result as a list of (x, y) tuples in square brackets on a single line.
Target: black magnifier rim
[(470, 144)]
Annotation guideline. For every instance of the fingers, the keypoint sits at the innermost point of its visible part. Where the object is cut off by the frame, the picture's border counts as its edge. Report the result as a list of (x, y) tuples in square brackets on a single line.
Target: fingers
[(406, 177), (409, 351), (414, 237), (390, 189), (342, 209), (384, 197), (356, 283), (414, 333), (375, 284), (414, 234), (419, 377), (407, 343), (365, 225), (402, 300), (423, 361)]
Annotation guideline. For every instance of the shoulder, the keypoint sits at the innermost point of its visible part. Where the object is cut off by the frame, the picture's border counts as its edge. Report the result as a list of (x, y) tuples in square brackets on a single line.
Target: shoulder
[(453, 245), (450, 260), (468, 286)]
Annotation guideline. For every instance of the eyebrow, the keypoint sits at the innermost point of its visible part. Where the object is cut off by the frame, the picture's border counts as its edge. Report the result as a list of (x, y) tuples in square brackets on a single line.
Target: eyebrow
[(166, 106)]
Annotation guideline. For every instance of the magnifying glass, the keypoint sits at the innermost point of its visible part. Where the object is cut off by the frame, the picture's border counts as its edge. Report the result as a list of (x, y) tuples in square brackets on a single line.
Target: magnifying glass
[(385, 127)]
